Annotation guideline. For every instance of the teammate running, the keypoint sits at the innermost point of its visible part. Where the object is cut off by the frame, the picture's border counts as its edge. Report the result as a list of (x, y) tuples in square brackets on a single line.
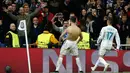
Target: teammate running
[(106, 37)]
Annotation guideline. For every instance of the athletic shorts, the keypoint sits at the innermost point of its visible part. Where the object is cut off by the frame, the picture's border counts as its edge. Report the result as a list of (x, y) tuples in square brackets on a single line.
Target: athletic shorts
[(104, 49), (69, 47)]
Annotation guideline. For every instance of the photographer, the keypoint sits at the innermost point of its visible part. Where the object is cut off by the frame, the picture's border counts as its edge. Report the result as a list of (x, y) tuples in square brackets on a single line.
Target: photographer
[(58, 23)]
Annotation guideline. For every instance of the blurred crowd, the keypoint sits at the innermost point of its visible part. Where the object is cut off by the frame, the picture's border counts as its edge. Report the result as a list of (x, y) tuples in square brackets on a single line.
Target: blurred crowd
[(47, 19)]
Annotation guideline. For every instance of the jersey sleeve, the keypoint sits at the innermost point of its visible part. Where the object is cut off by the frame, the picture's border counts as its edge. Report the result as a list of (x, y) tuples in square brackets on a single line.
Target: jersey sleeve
[(100, 36), (117, 40)]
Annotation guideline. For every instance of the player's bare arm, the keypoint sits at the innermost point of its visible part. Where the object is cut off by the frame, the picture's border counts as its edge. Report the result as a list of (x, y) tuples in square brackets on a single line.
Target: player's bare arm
[(61, 36), (80, 38)]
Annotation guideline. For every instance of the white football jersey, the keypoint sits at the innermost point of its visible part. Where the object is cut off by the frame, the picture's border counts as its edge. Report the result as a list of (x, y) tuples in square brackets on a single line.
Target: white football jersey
[(107, 35)]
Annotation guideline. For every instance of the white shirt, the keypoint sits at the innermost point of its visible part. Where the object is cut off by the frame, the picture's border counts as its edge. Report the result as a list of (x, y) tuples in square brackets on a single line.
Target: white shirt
[(107, 35)]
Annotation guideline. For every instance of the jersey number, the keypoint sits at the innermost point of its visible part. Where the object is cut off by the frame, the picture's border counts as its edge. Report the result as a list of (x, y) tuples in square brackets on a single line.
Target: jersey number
[(109, 35)]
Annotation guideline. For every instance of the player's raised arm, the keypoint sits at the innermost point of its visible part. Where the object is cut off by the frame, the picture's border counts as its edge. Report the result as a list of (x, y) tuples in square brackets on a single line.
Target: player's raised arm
[(117, 40), (100, 36)]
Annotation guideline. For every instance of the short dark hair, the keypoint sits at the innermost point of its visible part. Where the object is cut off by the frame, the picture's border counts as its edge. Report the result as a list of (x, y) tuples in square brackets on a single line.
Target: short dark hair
[(110, 20), (73, 19), (48, 26)]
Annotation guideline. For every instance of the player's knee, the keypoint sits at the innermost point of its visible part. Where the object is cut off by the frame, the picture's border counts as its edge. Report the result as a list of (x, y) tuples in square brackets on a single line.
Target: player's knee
[(61, 56), (77, 56), (101, 56)]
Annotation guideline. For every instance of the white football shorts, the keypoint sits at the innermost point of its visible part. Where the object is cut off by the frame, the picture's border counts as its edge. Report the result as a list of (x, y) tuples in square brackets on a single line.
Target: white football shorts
[(69, 47)]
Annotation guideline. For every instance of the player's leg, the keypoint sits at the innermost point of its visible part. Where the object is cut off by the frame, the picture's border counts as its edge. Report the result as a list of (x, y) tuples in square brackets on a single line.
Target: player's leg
[(63, 52), (59, 62), (95, 66), (78, 62), (102, 53), (74, 52), (101, 59), (97, 62)]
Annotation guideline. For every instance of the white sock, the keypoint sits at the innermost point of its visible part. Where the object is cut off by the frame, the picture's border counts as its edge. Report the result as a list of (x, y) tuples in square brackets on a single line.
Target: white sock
[(97, 62), (102, 61), (59, 62), (78, 64)]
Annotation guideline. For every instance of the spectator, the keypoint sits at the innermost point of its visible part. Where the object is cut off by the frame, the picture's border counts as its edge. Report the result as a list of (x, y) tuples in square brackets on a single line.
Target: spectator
[(83, 14), (123, 29), (93, 12), (99, 2), (58, 18), (1, 32), (27, 17), (6, 19), (20, 2), (54, 6), (8, 2), (47, 39), (45, 15), (98, 22), (36, 29), (61, 29), (110, 15), (89, 26), (58, 22), (26, 8), (48, 14), (109, 3), (90, 4), (33, 5), (12, 39), (14, 9)]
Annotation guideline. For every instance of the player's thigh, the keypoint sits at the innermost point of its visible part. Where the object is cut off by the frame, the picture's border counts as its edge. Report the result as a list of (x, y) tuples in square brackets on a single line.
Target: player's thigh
[(74, 50), (102, 51), (64, 48)]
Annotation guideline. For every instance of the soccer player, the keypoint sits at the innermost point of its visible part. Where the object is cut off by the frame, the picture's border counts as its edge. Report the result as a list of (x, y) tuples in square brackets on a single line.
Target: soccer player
[(106, 37), (70, 44)]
